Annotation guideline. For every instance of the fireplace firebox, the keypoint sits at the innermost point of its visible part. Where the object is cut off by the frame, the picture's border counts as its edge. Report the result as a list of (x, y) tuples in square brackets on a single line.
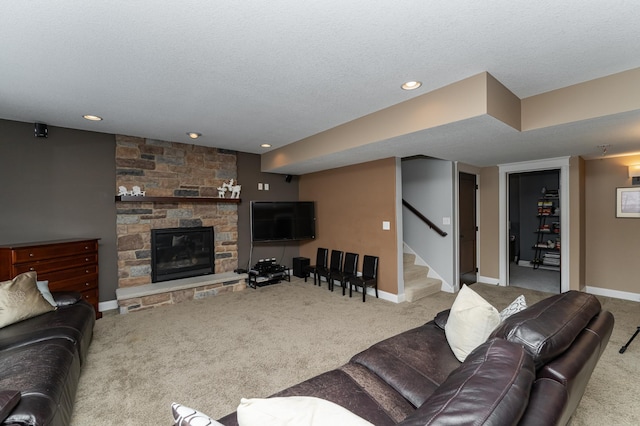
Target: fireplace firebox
[(181, 253)]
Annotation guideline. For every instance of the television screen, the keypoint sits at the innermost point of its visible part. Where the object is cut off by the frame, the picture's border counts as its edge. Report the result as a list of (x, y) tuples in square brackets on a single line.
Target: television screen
[(282, 220)]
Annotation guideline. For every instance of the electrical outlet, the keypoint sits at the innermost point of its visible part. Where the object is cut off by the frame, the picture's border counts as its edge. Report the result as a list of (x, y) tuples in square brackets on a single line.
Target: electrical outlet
[(266, 186), (259, 186)]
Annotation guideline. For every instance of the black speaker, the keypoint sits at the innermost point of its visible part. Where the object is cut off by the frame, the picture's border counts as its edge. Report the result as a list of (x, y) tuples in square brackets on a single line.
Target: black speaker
[(299, 263), (41, 130), (288, 178)]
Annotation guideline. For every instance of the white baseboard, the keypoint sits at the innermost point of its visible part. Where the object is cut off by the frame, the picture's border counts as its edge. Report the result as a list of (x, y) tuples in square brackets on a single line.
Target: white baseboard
[(108, 305), (598, 291), (488, 280)]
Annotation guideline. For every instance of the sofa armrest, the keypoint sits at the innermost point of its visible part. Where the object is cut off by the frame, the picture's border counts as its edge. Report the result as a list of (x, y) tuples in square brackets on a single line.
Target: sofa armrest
[(8, 400), (66, 298), (441, 318), (490, 388)]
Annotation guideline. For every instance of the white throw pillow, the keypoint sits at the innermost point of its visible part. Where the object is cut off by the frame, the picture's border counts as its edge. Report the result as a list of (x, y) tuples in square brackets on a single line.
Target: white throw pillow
[(471, 320), (295, 411), (43, 286), (517, 305)]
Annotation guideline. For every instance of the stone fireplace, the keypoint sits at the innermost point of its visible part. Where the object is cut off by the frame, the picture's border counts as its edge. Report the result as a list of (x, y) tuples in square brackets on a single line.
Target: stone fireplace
[(173, 171)]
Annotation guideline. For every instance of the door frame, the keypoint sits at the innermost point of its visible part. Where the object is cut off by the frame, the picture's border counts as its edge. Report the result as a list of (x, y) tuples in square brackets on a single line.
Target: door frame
[(561, 163)]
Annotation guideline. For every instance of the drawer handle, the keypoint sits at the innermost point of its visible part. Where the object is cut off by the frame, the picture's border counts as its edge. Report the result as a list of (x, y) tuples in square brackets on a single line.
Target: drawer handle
[(32, 269), (86, 271), (86, 259), (30, 254), (86, 247), (86, 284)]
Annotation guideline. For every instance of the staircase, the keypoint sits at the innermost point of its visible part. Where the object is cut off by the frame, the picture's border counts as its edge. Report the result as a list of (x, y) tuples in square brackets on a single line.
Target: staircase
[(416, 282)]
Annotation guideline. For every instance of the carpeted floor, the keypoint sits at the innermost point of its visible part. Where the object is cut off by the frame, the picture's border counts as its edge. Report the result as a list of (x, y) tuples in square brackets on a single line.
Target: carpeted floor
[(209, 353)]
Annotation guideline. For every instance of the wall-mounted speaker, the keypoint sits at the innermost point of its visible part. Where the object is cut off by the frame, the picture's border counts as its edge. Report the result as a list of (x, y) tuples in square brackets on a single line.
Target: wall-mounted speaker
[(41, 130), (288, 178)]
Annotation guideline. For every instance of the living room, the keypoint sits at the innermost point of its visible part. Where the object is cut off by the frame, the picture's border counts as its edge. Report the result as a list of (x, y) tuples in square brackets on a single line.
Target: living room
[(349, 162)]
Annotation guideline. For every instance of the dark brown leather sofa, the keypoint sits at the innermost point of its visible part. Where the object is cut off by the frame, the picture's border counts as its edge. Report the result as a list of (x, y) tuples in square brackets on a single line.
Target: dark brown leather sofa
[(40, 361), (532, 370)]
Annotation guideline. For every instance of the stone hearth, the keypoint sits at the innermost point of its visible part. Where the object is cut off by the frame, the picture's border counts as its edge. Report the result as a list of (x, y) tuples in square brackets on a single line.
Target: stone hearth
[(169, 292)]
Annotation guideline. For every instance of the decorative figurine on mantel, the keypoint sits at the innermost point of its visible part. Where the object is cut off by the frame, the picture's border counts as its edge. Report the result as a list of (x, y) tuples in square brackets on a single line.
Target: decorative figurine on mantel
[(122, 190), (221, 191), (233, 187)]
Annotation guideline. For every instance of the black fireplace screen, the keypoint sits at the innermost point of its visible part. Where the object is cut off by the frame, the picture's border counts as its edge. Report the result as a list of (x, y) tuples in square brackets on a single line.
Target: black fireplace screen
[(181, 253)]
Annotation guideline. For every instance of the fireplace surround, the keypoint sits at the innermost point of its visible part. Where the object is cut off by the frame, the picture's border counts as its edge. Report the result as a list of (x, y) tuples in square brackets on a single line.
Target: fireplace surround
[(181, 253)]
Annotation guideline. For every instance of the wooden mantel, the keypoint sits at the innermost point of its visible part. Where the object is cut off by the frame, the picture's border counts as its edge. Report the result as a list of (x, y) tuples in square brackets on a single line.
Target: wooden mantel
[(144, 199)]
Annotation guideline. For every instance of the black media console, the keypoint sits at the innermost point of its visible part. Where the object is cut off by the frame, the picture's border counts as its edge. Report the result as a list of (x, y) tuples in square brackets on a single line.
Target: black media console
[(267, 272)]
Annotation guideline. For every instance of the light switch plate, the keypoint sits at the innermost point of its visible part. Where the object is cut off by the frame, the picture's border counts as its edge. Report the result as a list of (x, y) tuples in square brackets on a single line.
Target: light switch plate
[(386, 225)]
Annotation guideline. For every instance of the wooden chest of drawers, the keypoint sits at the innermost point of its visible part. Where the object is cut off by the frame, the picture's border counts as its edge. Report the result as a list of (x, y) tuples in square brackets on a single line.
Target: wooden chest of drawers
[(68, 265)]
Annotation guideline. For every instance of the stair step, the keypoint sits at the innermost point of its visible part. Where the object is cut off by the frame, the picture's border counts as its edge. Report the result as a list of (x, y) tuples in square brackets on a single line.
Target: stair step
[(415, 272), (417, 290), (409, 259)]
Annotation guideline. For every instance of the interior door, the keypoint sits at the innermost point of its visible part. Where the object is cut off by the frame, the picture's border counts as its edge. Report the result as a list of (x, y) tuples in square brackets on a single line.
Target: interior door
[(468, 228)]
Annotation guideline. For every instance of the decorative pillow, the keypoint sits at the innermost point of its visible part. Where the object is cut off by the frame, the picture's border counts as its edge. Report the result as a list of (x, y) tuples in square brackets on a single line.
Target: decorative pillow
[(516, 306), (43, 286), (295, 410), (185, 416), (471, 321), (20, 299)]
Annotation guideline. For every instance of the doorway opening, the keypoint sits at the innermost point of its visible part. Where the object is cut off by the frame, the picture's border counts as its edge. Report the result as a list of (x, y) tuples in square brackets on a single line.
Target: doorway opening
[(468, 228), (534, 230)]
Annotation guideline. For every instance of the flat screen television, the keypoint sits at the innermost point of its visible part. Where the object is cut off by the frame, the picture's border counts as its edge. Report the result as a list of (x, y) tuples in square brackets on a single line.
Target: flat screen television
[(282, 220)]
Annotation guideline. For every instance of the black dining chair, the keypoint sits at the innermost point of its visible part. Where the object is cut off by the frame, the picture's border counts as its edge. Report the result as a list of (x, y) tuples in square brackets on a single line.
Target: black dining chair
[(369, 276), (322, 256), (349, 269), (335, 264)]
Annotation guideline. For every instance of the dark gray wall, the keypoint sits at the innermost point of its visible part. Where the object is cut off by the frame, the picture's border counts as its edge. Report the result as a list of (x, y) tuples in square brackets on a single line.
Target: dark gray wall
[(57, 188), (529, 191), (249, 175)]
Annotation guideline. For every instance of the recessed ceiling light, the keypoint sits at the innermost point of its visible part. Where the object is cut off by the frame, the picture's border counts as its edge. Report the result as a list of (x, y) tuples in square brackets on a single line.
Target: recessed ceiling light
[(266, 145), (194, 135), (92, 117), (411, 85)]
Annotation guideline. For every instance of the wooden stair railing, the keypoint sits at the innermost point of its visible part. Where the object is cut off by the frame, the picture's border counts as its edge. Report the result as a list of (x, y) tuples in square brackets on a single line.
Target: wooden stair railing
[(422, 217)]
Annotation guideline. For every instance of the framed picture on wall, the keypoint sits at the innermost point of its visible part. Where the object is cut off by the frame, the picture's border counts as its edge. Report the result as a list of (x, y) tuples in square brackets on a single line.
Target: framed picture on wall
[(628, 202)]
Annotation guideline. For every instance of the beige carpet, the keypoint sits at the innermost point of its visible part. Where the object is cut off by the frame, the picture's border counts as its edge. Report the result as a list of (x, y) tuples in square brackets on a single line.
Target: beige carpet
[(209, 353)]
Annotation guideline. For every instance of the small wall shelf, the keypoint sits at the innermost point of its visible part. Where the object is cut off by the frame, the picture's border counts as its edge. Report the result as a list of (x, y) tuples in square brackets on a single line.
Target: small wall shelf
[(144, 199)]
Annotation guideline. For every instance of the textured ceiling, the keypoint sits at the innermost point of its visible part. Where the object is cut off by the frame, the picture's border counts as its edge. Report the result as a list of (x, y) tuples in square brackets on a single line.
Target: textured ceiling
[(249, 72)]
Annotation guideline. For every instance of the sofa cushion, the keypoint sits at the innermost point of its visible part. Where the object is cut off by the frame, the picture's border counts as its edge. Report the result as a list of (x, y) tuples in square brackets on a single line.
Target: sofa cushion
[(471, 321), (295, 410), (47, 374), (547, 328), (74, 323), (339, 387), (414, 362), (20, 299), (491, 387)]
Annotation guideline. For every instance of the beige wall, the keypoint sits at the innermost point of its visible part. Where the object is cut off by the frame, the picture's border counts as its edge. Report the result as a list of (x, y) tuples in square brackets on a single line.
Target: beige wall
[(611, 243), (351, 203), (489, 265), (602, 247)]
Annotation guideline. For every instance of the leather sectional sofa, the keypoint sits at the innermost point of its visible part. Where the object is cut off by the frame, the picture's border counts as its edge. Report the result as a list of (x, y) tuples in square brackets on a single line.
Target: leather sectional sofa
[(40, 362), (532, 370)]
